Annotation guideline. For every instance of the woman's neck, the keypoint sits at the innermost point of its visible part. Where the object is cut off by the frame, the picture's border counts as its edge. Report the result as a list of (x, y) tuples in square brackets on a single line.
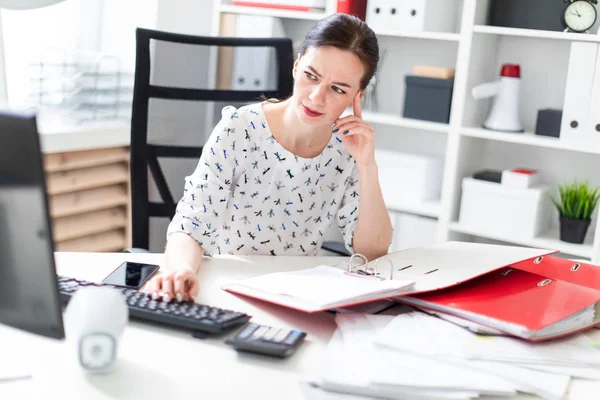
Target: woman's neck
[(295, 136)]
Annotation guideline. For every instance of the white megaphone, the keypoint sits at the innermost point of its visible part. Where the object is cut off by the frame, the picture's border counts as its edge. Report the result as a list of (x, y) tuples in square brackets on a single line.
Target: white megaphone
[(95, 320), (505, 110)]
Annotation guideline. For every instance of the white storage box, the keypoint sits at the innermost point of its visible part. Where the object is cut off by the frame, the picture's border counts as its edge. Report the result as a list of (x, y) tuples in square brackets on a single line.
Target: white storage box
[(411, 231), (408, 178), (388, 16), (496, 208), (521, 177)]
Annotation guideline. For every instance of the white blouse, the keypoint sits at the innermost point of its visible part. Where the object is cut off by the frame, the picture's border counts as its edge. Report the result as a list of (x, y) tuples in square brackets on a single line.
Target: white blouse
[(249, 195)]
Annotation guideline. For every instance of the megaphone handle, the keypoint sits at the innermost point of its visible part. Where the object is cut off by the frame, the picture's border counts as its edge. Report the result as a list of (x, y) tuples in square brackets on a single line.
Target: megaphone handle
[(486, 90)]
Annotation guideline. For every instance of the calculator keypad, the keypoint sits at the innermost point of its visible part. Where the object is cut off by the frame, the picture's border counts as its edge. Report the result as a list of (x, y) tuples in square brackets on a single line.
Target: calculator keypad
[(268, 340)]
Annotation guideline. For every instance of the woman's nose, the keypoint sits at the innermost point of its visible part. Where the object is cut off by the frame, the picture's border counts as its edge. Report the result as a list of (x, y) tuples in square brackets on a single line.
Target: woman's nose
[(317, 96)]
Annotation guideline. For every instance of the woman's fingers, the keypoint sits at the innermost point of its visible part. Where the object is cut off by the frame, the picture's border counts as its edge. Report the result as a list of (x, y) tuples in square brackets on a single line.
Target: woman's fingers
[(345, 129), (178, 286), (345, 120), (193, 288), (167, 288), (153, 286)]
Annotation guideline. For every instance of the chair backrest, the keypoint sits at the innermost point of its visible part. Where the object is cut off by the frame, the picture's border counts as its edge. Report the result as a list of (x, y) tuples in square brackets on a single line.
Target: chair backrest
[(181, 84)]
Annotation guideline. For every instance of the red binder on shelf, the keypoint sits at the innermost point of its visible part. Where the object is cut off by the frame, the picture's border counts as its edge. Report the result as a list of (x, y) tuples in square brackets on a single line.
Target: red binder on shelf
[(353, 7), (413, 271), (536, 300)]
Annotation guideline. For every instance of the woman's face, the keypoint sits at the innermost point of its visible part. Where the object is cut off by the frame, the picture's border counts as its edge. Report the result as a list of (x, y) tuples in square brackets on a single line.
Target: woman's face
[(326, 81)]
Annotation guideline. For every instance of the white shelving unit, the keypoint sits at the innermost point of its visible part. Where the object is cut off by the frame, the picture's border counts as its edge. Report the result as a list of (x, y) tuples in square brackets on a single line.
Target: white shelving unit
[(548, 239), (397, 120), (532, 33), (477, 52), (450, 37), (528, 139)]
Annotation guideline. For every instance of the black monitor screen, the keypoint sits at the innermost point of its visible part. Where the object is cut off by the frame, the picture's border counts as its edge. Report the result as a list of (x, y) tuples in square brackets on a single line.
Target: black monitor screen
[(28, 286)]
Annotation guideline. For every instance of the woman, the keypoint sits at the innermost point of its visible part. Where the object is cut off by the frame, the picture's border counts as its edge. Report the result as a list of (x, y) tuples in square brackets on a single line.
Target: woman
[(274, 175)]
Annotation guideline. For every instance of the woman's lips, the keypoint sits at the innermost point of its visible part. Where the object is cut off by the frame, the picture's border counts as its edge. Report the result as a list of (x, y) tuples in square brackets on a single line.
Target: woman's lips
[(310, 112)]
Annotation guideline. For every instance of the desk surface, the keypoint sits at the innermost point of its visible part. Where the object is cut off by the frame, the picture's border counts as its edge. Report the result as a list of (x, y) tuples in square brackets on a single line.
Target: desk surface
[(160, 363)]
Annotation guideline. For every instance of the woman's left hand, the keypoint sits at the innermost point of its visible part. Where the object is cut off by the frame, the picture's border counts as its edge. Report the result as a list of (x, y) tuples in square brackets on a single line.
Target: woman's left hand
[(357, 135)]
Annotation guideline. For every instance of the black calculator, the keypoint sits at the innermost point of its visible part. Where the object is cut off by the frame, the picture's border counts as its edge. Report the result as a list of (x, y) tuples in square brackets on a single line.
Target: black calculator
[(267, 340)]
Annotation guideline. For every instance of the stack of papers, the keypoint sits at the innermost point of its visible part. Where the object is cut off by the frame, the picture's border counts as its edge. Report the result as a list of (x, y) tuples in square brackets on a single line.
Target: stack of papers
[(419, 356)]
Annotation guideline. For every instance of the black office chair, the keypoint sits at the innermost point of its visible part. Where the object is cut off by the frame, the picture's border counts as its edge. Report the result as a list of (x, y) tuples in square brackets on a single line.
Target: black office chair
[(175, 107)]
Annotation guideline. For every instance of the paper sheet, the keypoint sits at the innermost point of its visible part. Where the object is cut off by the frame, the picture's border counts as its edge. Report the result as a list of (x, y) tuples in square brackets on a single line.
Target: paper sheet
[(322, 285), (431, 337), (390, 370)]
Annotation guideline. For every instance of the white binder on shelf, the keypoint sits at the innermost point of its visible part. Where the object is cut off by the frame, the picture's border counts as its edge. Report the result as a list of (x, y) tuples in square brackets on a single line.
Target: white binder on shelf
[(389, 16), (578, 94), (253, 68), (593, 125)]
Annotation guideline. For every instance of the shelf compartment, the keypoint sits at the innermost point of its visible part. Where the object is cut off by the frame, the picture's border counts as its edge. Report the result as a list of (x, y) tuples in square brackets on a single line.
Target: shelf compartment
[(272, 12), (529, 139), (425, 208), (83, 159), (104, 242), (73, 227), (397, 120), (67, 204), (535, 33), (548, 240), (89, 178), (428, 35)]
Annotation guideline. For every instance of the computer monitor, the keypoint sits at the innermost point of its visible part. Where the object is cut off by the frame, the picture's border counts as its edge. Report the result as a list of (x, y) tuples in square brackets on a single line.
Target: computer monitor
[(29, 297)]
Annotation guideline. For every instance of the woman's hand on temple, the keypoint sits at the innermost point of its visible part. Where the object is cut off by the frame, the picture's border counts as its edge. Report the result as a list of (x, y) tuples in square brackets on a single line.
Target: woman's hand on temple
[(179, 285), (357, 135)]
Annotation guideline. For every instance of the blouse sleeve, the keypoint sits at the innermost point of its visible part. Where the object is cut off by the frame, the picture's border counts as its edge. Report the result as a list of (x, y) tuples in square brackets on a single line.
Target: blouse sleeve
[(200, 211), (347, 215)]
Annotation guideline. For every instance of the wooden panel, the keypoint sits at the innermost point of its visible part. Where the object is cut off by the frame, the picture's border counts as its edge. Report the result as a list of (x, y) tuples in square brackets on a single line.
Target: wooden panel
[(87, 224), (63, 205), (107, 241), (89, 196), (83, 159), (226, 54), (80, 179)]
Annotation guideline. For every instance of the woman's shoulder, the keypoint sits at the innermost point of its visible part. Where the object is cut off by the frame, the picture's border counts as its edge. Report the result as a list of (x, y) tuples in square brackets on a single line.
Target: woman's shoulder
[(244, 113)]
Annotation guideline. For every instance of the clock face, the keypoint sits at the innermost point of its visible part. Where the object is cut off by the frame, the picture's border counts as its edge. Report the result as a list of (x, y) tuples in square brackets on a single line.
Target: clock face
[(580, 15)]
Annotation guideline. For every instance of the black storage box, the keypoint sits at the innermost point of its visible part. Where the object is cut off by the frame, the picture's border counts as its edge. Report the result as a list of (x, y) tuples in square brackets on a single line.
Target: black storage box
[(428, 98), (528, 14), (490, 175), (548, 122)]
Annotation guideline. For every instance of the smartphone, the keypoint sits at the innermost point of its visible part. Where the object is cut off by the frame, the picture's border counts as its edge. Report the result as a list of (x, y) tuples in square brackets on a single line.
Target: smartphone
[(131, 275)]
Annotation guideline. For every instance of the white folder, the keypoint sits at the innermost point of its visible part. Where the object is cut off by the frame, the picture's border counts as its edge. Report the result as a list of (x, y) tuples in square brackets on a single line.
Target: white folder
[(253, 68), (578, 94), (593, 125)]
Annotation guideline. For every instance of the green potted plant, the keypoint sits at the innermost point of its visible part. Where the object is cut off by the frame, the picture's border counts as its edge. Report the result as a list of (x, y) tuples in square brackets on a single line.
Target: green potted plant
[(575, 207)]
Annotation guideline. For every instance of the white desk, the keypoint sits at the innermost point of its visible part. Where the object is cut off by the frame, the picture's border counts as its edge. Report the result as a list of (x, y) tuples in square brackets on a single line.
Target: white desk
[(161, 363)]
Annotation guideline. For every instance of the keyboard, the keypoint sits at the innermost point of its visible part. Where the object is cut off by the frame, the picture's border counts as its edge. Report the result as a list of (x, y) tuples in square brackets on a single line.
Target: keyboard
[(187, 314)]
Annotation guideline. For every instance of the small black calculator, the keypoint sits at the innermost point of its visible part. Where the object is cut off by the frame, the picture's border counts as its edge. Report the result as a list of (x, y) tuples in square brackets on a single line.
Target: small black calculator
[(267, 340)]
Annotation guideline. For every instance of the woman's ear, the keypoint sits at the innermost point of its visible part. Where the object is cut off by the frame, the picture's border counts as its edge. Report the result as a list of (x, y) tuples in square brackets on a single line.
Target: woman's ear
[(295, 66)]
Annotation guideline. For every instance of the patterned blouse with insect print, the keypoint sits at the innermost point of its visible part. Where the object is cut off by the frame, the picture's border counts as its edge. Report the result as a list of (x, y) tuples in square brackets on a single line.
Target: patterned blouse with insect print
[(249, 195)]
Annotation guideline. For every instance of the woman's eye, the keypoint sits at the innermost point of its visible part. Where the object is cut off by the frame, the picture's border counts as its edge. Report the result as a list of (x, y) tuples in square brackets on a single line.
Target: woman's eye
[(310, 76), (338, 90)]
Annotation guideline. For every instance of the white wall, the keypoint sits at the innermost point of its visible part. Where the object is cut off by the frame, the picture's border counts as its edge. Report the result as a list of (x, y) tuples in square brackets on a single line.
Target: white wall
[(192, 17)]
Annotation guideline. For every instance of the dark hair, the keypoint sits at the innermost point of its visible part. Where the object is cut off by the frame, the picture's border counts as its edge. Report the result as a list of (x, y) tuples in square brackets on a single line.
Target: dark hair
[(346, 32)]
